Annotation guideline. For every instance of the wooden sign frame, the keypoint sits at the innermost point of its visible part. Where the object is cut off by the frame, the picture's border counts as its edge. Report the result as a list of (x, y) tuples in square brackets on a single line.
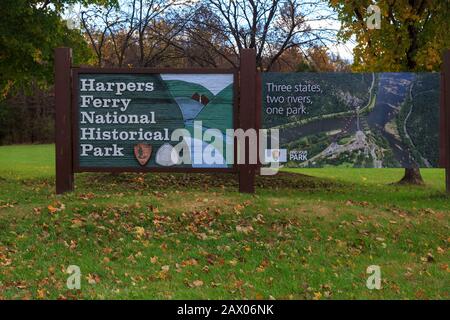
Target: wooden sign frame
[(66, 100)]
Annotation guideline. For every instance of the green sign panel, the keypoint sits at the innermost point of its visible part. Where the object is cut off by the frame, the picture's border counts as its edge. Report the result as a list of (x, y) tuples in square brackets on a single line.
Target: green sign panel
[(371, 120), (128, 120)]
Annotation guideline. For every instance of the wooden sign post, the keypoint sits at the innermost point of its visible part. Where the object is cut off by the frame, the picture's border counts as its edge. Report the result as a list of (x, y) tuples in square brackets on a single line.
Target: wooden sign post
[(445, 113), (247, 115), (63, 121)]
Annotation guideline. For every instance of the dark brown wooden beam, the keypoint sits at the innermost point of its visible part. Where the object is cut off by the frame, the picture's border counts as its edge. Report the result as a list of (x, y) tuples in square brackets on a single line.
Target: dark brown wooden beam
[(442, 125), (446, 102), (247, 115), (63, 127)]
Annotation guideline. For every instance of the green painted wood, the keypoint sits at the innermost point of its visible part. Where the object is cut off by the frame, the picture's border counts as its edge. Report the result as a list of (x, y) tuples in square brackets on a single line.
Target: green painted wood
[(172, 102)]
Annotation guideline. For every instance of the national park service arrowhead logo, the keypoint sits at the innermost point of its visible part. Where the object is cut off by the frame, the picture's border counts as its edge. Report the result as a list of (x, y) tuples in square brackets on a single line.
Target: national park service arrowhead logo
[(142, 152)]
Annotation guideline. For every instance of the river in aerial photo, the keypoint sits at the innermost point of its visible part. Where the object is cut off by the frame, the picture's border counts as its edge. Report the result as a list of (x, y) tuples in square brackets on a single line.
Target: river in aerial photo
[(392, 91)]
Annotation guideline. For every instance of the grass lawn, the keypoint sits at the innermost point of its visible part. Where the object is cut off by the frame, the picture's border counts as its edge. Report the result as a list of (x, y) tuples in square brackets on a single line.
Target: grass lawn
[(305, 234)]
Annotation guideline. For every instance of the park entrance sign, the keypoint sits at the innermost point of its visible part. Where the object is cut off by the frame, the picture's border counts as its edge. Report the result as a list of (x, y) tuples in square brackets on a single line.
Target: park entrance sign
[(127, 120), (216, 120), (151, 120)]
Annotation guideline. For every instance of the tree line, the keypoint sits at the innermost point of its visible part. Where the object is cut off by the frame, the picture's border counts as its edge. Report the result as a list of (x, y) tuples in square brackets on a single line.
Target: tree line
[(286, 34)]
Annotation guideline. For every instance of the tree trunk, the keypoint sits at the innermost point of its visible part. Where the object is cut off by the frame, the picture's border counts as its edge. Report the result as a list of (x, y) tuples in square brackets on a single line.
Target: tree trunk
[(412, 176)]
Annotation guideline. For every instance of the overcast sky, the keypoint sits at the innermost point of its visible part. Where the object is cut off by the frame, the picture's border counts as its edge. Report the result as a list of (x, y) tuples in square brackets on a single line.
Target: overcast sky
[(345, 50), (313, 14)]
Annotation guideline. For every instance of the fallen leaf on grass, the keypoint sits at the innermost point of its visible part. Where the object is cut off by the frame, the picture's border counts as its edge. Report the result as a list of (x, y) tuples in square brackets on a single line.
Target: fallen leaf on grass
[(428, 258), (164, 273), (165, 268), (154, 209), (4, 260), (189, 262), (317, 296), (244, 229), (154, 260), (237, 209), (76, 223), (56, 207), (21, 285), (41, 294), (259, 218), (259, 296), (197, 283), (52, 209), (262, 266), (420, 294), (233, 262), (93, 278), (7, 205), (202, 236), (73, 245), (139, 231), (87, 196)]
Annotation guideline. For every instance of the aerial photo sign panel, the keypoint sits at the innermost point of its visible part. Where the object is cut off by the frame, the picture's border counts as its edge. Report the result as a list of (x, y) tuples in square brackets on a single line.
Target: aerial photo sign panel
[(368, 120), (126, 120)]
